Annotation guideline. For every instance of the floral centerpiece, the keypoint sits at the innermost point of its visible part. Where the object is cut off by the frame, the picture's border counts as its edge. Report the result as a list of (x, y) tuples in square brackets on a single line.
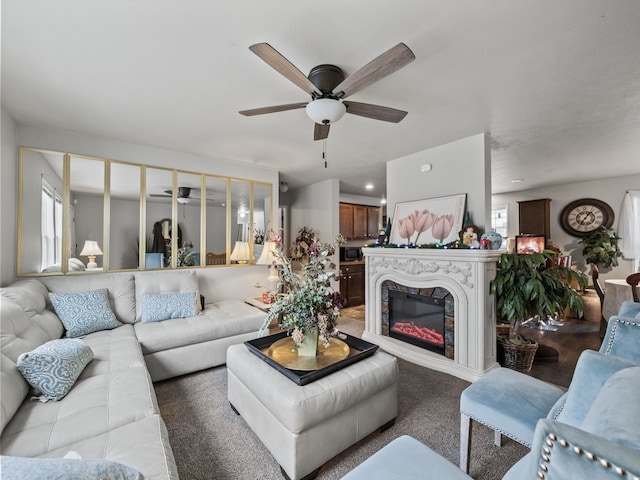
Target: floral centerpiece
[(304, 239), (309, 303)]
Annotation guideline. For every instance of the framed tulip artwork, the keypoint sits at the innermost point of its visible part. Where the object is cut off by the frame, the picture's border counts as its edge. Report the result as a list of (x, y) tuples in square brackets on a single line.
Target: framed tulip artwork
[(433, 220)]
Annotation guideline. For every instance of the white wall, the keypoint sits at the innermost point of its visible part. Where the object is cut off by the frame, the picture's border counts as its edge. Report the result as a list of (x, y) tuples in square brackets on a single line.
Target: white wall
[(609, 190), (8, 198), (316, 206), (215, 283), (463, 166)]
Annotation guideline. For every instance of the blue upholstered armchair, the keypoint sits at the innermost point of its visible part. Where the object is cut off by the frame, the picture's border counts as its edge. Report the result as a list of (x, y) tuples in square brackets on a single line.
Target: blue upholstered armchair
[(590, 431)]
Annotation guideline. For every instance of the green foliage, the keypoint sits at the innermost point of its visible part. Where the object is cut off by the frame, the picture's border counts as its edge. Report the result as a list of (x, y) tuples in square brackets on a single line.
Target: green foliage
[(526, 286), (309, 301), (601, 247)]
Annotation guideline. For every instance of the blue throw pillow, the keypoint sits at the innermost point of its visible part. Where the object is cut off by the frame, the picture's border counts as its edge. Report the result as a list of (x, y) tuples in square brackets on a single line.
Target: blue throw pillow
[(54, 367), (85, 312), (23, 468), (162, 306)]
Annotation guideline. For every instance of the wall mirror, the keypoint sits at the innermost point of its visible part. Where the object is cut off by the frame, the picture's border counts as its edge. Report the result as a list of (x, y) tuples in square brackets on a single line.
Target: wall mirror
[(79, 213)]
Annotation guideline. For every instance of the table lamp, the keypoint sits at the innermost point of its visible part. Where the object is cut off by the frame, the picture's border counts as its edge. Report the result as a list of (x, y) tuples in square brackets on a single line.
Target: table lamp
[(269, 257), (240, 252), (91, 249)]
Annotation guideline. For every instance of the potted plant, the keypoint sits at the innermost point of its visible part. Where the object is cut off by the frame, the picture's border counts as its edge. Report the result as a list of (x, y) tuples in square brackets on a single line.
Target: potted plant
[(529, 285), (309, 308), (601, 247)]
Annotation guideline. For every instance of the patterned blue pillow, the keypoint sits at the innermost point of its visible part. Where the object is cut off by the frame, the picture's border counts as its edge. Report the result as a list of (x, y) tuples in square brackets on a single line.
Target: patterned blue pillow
[(162, 306), (85, 312), (23, 468), (54, 367)]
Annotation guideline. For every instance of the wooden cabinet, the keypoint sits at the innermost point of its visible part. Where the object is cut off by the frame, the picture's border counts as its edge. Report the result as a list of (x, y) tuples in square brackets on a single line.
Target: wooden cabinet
[(346, 220), (352, 283), (534, 217), (359, 221)]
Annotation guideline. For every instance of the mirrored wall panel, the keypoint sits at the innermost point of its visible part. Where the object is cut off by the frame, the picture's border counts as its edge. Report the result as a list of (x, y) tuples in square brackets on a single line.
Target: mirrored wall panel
[(80, 213)]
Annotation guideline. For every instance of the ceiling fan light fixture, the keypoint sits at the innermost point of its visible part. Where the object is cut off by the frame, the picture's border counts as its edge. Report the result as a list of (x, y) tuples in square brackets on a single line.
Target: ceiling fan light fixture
[(184, 200), (325, 111)]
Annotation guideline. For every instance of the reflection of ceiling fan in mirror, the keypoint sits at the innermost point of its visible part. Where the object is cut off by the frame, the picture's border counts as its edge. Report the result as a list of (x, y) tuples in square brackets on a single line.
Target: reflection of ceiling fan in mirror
[(328, 86), (185, 195)]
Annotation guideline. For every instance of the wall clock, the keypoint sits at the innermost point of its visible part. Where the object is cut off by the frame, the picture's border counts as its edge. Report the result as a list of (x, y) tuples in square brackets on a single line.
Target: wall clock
[(581, 217)]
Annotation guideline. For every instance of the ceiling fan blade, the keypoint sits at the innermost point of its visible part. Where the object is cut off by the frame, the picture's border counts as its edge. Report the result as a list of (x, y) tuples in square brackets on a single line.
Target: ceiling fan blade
[(283, 66), (386, 114), (159, 195), (378, 68), (273, 109), (320, 132)]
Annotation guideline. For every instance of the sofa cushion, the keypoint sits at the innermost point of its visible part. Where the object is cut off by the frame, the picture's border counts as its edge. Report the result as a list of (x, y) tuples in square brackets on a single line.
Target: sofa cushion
[(119, 285), (163, 306), (84, 312), (615, 413), (24, 468), (181, 281), (219, 320), (54, 367)]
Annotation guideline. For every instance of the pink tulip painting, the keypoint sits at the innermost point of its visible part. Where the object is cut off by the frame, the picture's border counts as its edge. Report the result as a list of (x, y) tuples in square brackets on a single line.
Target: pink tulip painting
[(406, 228), (442, 226), (423, 221)]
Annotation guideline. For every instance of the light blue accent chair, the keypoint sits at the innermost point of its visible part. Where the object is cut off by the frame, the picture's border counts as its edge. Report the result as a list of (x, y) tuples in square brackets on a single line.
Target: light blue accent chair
[(511, 403), (601, 442), (622, 338), (153, 260)]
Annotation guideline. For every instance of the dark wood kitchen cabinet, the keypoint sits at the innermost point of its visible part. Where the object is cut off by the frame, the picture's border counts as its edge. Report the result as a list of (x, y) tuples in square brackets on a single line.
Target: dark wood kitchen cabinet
[(534, 217), (359, 221), (352, 283)]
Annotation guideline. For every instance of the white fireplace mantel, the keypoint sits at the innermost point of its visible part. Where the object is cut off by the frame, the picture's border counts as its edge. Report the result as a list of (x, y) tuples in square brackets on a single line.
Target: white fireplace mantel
[(467, 275)]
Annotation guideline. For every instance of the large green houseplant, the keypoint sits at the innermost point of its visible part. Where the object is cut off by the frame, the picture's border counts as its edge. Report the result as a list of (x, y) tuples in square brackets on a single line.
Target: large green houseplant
[(529, 285), (601, 247)]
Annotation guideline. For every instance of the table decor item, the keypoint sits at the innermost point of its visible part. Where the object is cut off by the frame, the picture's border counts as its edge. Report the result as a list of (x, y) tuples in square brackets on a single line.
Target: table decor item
[(308, 305)]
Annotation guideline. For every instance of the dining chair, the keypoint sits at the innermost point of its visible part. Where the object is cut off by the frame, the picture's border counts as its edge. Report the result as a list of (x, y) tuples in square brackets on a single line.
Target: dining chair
[(633, 280), (598, 288), (216, 258)]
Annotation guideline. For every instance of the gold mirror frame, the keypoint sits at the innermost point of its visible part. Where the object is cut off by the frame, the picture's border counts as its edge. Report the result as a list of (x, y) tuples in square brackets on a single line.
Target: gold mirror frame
[(69, 249)]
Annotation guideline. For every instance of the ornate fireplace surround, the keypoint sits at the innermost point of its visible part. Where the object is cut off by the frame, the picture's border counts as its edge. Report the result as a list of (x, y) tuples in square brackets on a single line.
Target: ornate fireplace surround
[(466, 274)]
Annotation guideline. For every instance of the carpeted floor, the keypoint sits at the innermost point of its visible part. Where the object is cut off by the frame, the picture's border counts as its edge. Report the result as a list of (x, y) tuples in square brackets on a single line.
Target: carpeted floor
[(211, 442)]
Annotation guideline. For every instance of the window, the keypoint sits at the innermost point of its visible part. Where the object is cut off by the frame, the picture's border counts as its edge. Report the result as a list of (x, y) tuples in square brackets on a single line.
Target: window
[(51, 225), (499, 220)]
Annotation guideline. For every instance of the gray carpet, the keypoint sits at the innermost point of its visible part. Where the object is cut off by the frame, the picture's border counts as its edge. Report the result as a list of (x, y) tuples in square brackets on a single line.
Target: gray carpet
[(211, 442)]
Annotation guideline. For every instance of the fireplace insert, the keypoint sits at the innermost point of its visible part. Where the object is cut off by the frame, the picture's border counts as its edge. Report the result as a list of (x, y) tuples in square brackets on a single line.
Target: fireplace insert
[(417, 319)]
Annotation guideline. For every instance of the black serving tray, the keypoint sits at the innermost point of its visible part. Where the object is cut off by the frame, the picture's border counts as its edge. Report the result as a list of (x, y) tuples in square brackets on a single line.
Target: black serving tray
[(359, 350)]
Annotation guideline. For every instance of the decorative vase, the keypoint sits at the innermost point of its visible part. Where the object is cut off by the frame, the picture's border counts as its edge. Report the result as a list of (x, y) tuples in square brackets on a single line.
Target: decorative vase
[(495, 239), (309, 346)]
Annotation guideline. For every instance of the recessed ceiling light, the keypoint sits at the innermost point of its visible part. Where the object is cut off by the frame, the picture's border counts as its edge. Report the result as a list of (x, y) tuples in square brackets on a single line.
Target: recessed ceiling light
[(383, 201), (369, 186), (516, 180)]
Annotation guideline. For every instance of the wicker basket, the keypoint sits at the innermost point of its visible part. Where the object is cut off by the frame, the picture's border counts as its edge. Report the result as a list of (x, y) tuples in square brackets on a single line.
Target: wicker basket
[(518, 357)]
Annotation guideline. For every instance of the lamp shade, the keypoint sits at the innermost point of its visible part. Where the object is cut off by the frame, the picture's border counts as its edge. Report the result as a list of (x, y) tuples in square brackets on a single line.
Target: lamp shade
[(91, 248), (240, 252), (268, 255), (325, 110)]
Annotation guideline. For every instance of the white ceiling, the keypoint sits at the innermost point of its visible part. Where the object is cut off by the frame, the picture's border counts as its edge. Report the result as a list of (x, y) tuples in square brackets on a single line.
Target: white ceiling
[(555, 83)]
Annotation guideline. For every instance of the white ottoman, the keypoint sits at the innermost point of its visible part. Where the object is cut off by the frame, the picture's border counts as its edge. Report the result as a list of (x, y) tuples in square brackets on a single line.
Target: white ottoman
[(305, 426)]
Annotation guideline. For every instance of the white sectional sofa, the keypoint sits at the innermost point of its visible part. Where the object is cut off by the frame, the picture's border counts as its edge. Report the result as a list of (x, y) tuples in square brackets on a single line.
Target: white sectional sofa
[(111, 412)]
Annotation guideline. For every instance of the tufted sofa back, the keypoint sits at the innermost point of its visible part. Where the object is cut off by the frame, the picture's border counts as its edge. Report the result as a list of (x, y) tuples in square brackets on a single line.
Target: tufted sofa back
[(120, 287), (26, 323)]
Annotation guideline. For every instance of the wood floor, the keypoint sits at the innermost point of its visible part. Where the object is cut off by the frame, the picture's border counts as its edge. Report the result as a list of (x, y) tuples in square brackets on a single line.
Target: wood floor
[(569, 341)]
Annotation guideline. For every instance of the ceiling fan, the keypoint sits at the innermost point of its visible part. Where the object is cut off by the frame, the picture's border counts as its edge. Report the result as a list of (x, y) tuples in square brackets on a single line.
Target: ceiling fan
[(329, 86), (184, 194)]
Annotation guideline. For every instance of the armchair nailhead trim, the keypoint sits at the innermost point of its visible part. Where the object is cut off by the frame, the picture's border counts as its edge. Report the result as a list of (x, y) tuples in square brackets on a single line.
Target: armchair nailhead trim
[(612, 337), (546, 457)]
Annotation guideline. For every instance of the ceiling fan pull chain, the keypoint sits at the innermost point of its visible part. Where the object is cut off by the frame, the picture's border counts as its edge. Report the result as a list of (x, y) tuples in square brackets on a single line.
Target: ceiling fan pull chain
[(324, 152)]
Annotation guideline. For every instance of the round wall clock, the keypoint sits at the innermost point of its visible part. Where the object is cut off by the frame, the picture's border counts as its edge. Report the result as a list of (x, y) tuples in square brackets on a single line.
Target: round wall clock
[(581, 217)]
